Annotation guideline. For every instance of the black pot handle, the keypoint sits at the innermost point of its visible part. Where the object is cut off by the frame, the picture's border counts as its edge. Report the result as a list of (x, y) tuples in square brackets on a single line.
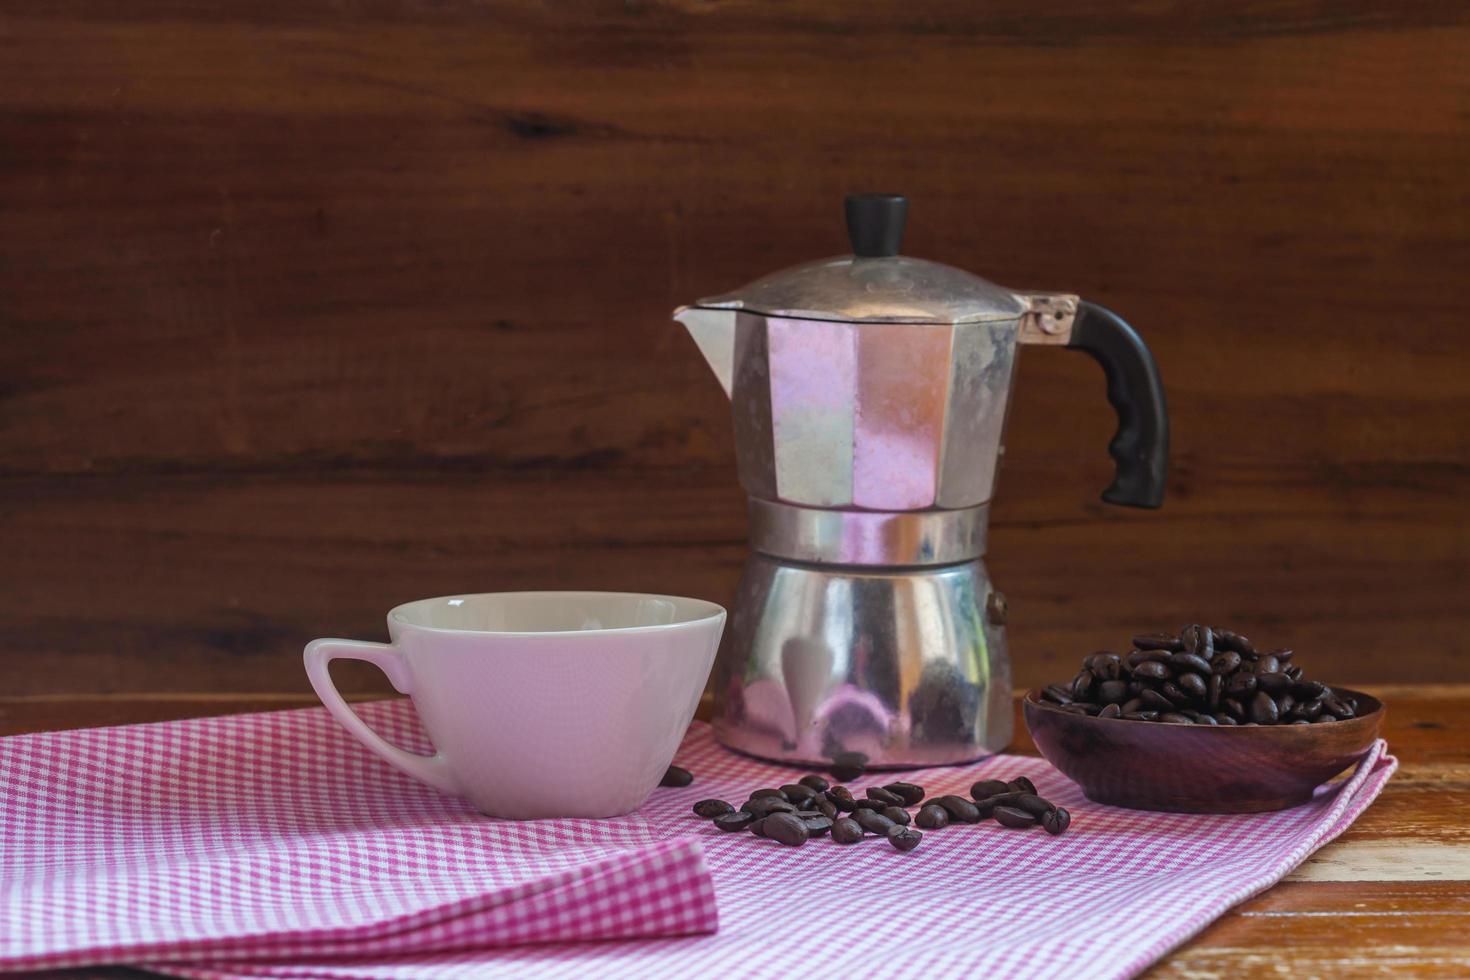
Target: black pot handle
[(1140, 448)]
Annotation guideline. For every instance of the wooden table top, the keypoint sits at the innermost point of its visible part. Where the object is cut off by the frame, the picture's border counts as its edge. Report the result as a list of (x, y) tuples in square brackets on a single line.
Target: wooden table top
[(1390, 897)]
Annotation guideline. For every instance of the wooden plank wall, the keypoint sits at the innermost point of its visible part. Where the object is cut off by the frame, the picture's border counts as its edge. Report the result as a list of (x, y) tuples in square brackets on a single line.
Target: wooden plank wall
[(308, 307)]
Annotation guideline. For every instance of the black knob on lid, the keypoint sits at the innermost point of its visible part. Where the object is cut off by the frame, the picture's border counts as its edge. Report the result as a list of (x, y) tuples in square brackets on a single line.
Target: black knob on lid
[(875, 223)]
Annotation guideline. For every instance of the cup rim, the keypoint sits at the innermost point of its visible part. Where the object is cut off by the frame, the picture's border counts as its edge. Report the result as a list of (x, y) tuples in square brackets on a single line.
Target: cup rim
[(711, 611)]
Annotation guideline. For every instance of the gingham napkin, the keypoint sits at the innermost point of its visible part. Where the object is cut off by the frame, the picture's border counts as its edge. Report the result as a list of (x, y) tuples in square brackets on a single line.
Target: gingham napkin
[(275, 846)]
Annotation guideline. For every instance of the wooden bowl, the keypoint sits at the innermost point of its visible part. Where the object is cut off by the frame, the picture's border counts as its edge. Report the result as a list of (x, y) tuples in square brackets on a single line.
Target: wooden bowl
[(1147, 765)]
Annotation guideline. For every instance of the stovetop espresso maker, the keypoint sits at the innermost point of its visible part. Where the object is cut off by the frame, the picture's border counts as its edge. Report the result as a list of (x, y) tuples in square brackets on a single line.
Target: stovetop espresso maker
[(868, 394)]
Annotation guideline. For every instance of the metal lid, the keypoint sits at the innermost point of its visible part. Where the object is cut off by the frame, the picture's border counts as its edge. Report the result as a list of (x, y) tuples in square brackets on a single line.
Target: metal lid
[(875, 284)]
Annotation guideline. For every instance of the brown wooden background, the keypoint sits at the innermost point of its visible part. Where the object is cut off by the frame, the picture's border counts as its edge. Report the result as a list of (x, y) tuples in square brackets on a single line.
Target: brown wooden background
[(309, 308)]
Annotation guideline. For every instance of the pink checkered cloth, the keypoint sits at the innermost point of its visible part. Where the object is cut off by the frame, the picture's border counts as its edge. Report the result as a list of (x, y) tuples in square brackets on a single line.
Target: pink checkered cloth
[(273, 845)]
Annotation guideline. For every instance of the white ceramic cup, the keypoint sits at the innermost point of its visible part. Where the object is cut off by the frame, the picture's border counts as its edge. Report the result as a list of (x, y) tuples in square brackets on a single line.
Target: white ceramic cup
[(539, 704)]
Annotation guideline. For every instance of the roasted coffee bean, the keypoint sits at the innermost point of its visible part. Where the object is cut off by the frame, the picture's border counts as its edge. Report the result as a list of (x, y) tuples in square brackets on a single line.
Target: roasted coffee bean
[(756, 826), (764, 806), (817, 825), (960, 809), (1299, 721), (1022, 785), (873, 822), (1174, 718), (1057, 694), (846, 830), (1336, 706), (897, 814), (1105, 666), (797, 793), (1285, 705), (1292, 671), (910, 793), (1057, 821), (1135, 688), (1072, 709), (842, 798), (884, 796), (1174, 693), (730, 822), (904, 838), (1205, 719), (1213, 687), (1132, 704), (1009, 816), (1152, 670), (986, 788), (1324, 716), (1282, 655), (1224, 719), (1263, 709), (1225, 663), (1032, 804), (1234, 642), (1198, 640), (848, 766), (1154, 701), (1309, 690), (1142, 716), (768, 791), (709, 809), (1194, 686), (1240, 685), (1234, 707), (1274, 683), (1268, 665), (1137, 657), (785, 828), (1087, 709), (1112, 692), (932, 816), (1157, 641), (1083, 684), (1110, 711), (815, 782), (826, 807), (1190, 662), (676, 777)]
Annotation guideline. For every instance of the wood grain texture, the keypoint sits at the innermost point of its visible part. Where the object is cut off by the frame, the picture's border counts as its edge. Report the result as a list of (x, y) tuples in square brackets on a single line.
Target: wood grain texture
[(1389, 898), (311, 308)]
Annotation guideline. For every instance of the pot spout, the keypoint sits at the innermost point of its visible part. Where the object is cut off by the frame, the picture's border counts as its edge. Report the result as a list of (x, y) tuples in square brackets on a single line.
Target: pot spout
[(714, 333)]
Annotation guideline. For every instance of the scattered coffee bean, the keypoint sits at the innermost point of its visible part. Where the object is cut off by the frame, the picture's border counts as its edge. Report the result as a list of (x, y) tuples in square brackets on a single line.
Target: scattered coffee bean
[(785, 828), (911, 793), (1057, 821), (848, 766), (764, 806), (676, 777), (817, 825), (842, 799), (960, 809), (768, 791), (986, 788), (846, 830), (932, 816), (1022, 785), (756, 825), (904, 838), (826, 807), (815, 782), (873, 822), (1009, 816), (709, 809), (897, 814), (797, 793), (884, 796), (730, 822)]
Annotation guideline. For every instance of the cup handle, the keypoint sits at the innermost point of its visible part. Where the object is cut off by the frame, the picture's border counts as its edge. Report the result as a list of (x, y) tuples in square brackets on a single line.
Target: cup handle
[(431, 769)]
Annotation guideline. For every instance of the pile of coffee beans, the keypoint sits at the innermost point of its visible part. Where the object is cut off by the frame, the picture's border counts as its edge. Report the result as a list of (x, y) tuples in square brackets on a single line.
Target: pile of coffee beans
[(812, 807), (1203, 675)]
